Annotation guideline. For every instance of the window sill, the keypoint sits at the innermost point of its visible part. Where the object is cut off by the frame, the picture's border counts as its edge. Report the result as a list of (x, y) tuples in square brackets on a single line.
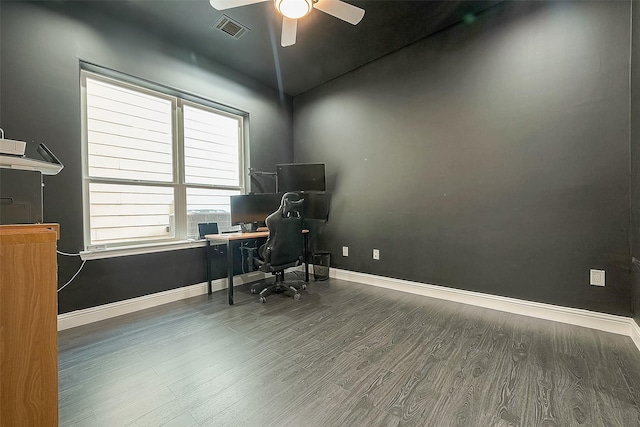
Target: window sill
[(141, 249)]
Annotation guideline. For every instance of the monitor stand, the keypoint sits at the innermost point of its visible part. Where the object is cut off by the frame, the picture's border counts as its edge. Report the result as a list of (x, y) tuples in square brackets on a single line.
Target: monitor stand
[(250, 227)]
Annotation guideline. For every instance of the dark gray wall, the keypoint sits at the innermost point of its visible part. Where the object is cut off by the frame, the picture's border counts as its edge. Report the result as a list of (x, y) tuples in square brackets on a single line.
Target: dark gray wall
[(635, 160), (492, 157), (42, 45)]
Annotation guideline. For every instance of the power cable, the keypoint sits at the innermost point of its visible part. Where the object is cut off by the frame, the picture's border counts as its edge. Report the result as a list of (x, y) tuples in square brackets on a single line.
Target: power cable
[(76, 273)]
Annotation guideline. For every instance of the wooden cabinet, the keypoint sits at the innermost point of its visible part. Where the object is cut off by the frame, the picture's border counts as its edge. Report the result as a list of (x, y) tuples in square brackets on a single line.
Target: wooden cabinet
[(28, 325)]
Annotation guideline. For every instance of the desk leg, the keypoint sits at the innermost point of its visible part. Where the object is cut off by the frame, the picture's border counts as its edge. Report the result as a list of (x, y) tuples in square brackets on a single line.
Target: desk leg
[(306, 258), (230, 272), (208, 256)]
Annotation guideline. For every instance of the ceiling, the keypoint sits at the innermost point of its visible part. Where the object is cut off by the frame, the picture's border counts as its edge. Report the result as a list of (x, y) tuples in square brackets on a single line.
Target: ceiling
[(326, 47)]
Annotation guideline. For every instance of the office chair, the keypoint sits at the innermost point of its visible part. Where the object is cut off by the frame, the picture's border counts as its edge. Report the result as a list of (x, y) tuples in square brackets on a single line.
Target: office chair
[(284, 247)]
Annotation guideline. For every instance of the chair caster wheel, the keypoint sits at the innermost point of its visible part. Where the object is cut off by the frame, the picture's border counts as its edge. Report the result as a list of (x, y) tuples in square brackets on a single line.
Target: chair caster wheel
[(262, 300), (296, 296), (304, 286)]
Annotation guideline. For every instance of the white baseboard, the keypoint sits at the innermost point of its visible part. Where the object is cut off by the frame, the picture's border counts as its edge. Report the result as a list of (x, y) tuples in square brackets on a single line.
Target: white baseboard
[(107, 311), (573, 316), (635, 333)]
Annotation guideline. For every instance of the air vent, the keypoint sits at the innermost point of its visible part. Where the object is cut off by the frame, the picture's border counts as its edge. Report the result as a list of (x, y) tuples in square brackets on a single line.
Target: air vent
[(231, 27)]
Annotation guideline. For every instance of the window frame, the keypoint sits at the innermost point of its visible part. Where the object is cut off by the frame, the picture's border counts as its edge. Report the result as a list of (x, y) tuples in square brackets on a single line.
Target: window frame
[(180, 187)]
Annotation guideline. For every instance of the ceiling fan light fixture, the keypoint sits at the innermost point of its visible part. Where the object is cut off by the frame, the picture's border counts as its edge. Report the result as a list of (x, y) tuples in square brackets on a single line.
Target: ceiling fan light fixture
[(294, 9)]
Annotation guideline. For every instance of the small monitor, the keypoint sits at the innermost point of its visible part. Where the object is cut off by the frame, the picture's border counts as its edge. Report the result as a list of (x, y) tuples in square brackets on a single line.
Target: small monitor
[(205, 228), (300, 177), (253, 208)]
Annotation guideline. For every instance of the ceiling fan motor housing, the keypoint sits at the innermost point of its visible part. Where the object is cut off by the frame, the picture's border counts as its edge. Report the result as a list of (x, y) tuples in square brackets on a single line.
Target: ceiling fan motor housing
[(294, 9)]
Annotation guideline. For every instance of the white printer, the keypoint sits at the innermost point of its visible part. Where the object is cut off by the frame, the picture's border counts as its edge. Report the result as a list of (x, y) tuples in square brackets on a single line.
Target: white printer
[(12, 157), (11, 147), (21, 181)]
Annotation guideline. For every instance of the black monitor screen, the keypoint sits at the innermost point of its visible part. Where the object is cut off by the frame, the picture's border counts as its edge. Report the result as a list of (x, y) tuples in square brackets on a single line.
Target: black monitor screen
[(315, 206), (250, 208), (300, 177)]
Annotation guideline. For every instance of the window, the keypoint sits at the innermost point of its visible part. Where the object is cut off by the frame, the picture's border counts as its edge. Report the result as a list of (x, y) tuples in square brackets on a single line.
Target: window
[(155, 164)]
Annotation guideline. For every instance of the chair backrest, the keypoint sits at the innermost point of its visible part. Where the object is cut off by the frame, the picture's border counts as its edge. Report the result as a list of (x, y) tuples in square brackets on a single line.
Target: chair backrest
[(205, 228), (287, 243)]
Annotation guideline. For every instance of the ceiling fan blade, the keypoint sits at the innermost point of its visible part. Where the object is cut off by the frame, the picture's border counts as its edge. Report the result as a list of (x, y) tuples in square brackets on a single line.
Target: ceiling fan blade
[(289, 29), (228, 4), (340, 10)]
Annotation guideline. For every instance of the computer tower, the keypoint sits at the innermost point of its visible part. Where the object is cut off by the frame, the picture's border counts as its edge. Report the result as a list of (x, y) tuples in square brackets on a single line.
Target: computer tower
[(20, 196)]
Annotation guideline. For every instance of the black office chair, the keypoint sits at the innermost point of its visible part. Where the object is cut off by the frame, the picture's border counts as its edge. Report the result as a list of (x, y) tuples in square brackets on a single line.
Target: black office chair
[(284, 247)]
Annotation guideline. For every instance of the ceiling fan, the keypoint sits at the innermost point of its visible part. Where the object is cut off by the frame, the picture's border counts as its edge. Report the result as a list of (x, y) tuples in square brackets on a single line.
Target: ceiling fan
[(292, 10)]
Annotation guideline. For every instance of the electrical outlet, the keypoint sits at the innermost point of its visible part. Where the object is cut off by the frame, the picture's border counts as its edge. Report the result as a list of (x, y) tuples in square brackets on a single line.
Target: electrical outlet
[(345, 251), (596, 277), (376, 254)]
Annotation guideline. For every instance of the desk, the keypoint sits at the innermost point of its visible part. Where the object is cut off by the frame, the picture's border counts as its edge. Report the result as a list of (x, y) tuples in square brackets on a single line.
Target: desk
[(227, 238), (28, 335)]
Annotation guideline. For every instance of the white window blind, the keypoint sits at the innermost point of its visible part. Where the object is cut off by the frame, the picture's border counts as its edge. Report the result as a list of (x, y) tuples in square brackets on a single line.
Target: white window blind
[(127, 213), (211, 148), (130, 133), (156, 165)]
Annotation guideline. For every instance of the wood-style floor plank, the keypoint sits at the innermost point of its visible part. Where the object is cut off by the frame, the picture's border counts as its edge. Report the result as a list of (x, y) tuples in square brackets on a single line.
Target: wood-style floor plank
[(346, 354)]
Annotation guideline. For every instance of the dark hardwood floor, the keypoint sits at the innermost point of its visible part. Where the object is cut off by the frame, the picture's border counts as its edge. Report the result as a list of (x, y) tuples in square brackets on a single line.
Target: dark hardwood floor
[(346, 354)]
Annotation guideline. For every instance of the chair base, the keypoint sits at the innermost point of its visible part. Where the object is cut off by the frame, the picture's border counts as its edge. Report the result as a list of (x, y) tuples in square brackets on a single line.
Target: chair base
[(276, 287)]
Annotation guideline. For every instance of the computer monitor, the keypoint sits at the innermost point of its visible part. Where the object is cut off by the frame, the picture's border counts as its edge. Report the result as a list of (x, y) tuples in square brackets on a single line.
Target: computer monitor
[(315, 206), (300, 177), (205, 228), (252, 208)]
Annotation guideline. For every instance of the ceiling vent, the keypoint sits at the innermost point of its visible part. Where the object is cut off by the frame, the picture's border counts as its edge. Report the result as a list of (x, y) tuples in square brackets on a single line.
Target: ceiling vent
[(231, 27)]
